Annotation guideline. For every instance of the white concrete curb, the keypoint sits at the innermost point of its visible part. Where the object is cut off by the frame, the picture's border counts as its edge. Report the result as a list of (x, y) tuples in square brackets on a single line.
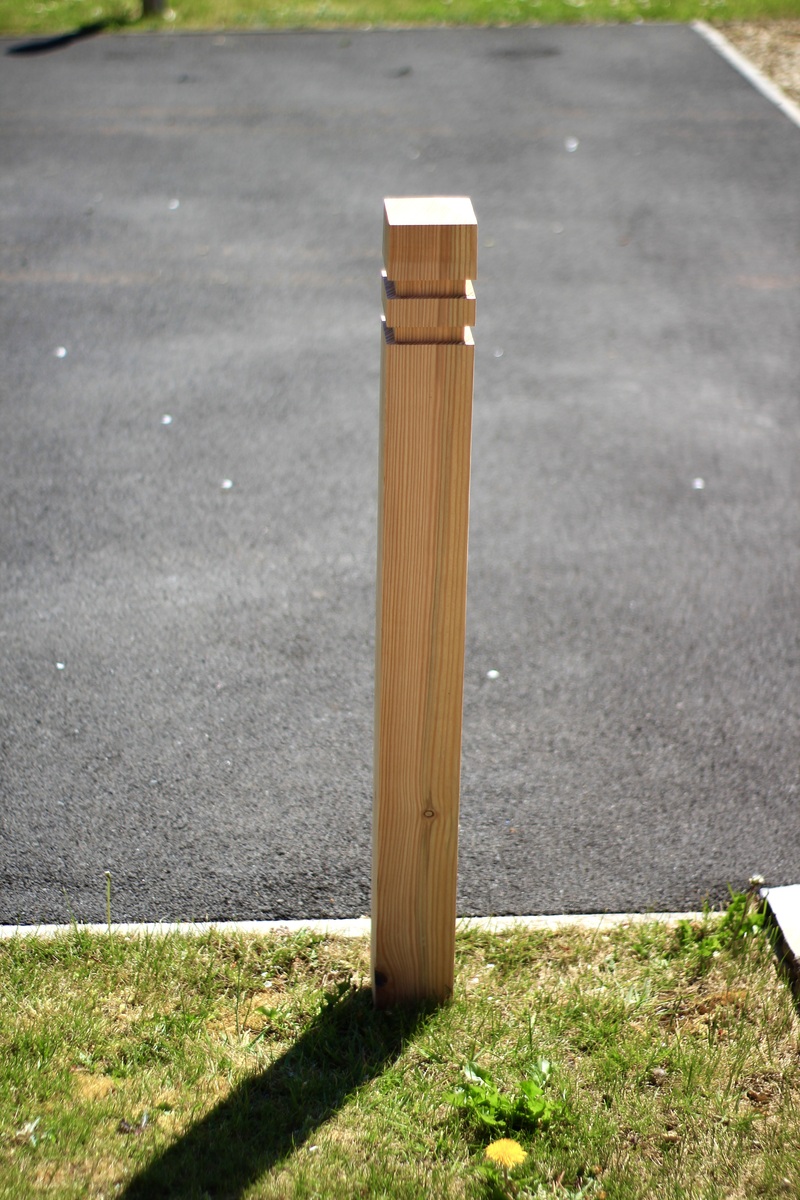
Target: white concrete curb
[(784, 907), (749, 70), (353, 927)]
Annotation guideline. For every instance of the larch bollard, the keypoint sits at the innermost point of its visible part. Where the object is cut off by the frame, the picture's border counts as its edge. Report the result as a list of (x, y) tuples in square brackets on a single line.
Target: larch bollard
[(430, 248)]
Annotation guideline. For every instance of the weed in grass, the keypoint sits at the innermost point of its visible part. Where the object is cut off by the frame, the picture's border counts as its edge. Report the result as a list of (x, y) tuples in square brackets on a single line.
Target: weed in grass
[(487, 1108), (504, 1155), (108, 899), (743, 918)]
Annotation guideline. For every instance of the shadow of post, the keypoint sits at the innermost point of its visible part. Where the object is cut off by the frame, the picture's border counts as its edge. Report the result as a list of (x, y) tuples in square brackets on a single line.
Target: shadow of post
[(46, 45), (271, 1113)]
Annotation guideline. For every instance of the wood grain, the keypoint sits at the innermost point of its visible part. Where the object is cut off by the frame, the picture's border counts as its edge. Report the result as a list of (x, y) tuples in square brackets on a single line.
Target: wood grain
[(432, 313), (425, 446), (430, 237)]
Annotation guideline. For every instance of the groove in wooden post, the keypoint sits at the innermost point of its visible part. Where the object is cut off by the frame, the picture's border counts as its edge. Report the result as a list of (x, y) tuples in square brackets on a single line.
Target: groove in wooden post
[(427, 359)]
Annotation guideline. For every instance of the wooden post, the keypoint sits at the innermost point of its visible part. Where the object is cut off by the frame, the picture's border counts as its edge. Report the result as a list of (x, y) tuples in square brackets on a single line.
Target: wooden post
[(430, 248)]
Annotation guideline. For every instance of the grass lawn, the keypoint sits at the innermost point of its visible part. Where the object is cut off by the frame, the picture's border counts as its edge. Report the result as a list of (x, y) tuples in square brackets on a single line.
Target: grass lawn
[(644, 1061), (54, 16)]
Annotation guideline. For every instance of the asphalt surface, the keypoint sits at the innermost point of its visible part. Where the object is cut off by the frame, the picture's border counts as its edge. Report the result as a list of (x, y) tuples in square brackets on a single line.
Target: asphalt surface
[(186, 667)]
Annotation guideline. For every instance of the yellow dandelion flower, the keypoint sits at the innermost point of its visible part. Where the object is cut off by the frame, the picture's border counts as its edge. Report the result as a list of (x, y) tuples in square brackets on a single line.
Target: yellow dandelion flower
[(506, 1153)]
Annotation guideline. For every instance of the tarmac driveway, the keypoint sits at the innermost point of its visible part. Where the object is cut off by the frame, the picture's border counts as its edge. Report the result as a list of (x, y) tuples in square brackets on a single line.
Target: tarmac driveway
[(188, 439)]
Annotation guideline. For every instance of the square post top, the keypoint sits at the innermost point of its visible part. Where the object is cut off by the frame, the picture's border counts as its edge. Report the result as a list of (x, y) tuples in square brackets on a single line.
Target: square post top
[(430, 238)]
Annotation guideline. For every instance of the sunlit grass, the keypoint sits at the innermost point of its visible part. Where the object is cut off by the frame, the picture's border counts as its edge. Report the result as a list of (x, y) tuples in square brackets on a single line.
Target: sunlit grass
[(53, 16), (185, 1066)]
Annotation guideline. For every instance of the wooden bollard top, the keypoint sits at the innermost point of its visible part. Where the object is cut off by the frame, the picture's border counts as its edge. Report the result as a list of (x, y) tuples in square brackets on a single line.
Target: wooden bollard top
[(430, 253)]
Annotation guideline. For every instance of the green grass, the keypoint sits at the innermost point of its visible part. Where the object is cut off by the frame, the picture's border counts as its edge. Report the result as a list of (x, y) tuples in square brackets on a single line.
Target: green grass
[(54, 16), (264, 1071)]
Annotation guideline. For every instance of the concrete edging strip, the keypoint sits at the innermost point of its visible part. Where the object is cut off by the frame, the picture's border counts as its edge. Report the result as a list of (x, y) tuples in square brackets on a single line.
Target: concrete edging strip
[(749, 70), (352, 927), (784, 908)]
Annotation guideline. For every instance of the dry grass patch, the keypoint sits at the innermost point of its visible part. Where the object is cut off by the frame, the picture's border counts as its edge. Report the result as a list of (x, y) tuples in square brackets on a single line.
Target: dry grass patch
[(774, 47)]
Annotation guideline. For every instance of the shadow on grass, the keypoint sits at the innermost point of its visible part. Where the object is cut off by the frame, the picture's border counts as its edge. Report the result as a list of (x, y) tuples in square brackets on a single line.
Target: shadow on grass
[(273, 1113), (60, 41)]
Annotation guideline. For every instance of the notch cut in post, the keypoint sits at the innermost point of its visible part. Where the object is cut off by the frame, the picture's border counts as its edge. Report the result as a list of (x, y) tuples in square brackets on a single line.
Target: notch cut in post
[(427, 361)]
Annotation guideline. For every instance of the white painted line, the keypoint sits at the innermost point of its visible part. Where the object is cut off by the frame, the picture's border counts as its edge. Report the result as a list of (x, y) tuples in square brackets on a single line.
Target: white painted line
[(353, 927), (749, 70)]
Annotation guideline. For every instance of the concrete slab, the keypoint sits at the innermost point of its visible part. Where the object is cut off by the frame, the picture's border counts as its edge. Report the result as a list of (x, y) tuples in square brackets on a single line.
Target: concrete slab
[(784, 908), (186, 667)]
